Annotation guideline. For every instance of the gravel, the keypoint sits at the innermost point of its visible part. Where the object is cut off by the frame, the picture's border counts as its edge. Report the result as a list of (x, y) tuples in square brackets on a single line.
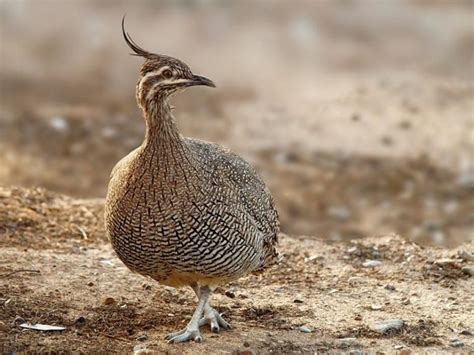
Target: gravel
[(386, 326)]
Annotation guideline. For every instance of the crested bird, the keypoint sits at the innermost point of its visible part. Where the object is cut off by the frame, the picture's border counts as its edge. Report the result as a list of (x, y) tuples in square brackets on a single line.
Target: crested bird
[(183, 211)]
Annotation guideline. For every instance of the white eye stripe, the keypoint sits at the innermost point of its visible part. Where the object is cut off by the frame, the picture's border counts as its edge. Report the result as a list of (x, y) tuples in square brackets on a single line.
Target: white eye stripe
[(152, 90), (173, 81), (152, 73)]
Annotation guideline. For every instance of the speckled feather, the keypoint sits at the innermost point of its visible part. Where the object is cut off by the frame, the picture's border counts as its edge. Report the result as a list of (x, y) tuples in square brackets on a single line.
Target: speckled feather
[(185, 211)]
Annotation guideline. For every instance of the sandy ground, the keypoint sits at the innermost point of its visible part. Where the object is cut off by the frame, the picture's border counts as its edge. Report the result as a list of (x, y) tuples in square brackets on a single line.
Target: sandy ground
[(57, 268), (360, 117)]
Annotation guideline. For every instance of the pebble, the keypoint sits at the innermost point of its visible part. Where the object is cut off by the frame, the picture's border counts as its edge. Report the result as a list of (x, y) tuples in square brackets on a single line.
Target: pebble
[(304, 329), (313, 258), (90, 284), (465, 255), (388, 325), (466, 332), (468, 270), (446, 261), (246, 344), (371, 263), (141, 349), (345, 342), (230, 294), (298, 300), (80, 320), (18, 320), (142, 338), (390, 287), (376, 307), (456, 343), (58, 123), (245, 352), (109, 301)]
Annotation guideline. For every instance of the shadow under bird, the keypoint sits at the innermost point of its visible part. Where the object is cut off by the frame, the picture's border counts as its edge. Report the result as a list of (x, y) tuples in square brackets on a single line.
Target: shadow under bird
[(182, 211)]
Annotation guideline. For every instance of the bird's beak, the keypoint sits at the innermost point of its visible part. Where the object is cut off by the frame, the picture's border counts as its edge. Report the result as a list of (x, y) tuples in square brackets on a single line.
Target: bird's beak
[(201, 80)]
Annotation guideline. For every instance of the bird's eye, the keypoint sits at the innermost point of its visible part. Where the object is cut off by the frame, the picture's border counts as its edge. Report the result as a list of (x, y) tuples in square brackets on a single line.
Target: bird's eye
[(167, 74)]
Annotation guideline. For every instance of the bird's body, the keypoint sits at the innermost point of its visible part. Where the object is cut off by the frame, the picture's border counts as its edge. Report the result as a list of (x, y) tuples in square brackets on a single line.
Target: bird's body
[(188, 212), (184, 211)]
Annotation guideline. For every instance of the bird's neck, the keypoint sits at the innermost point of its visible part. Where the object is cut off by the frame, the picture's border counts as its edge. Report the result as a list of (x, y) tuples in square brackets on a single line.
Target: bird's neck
[(161, 128)]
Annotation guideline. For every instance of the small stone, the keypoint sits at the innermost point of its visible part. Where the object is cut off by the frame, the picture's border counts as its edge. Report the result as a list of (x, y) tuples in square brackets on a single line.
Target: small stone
[(376, 307), (18, 320), (246, 344), (304, 329), (386, 326), (466, 332), (468, 270), (80, 320), (230, 294), (58, 123), (446, 261), (456, 343), (398, 347), (245, 352), (297, 300), (312, 258), (465, 255), (371, 263), (90, 284), (141, 349), (109, 301), (142, 338), (358, 317), (345, 342), (389, 287)]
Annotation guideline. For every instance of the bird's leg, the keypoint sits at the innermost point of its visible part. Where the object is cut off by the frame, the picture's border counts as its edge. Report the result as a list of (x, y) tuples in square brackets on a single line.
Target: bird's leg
[(211, 316), (191, 332)]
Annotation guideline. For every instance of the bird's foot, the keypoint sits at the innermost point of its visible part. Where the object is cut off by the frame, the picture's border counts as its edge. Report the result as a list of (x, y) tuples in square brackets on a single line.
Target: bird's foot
[(186, 334), (214, 319)]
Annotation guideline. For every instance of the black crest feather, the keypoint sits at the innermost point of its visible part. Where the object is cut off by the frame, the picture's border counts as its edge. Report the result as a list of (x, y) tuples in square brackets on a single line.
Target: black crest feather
[(133, 45)]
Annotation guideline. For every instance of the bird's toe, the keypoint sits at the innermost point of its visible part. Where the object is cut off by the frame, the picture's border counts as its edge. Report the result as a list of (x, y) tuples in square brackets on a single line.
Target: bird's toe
[(184, 335), (215, 320)]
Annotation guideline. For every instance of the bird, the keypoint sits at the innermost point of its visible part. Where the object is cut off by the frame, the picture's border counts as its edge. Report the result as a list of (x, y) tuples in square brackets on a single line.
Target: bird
[(183, 211)]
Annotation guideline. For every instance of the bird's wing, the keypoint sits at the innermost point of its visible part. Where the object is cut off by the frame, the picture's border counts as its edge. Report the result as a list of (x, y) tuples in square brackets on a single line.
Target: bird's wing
[(249, 189)]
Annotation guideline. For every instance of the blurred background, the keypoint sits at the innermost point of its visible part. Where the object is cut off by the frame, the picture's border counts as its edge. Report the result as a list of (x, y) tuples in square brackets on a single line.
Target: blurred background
[(358, 114)]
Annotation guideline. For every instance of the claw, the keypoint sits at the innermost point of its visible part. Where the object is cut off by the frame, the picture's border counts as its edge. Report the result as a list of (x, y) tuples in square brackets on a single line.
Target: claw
[(215, 320), (184, 335)]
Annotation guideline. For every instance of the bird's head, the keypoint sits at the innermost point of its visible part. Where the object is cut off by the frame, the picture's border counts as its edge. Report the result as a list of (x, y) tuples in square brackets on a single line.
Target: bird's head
[(161, 76)]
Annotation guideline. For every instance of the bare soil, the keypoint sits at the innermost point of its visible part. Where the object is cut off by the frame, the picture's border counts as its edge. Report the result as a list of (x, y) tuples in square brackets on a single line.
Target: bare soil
[(359, 116), (57, 268)]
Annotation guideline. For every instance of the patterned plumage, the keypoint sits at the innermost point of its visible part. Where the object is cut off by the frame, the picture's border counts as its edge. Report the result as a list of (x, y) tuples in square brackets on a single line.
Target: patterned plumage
[(183, 211)]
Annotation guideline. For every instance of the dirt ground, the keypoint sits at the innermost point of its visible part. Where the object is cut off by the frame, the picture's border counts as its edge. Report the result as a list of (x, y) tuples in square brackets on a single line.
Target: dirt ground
[(359, 115), (56, 268)]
